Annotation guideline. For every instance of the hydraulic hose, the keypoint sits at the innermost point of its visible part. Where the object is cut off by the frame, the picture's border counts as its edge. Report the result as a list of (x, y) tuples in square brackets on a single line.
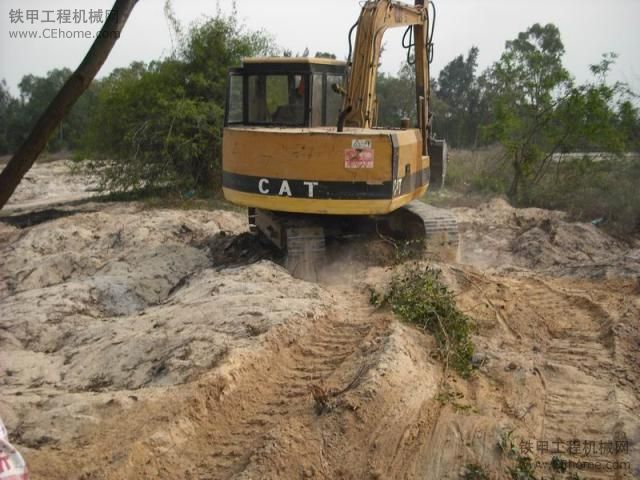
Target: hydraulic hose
[(432, 29)]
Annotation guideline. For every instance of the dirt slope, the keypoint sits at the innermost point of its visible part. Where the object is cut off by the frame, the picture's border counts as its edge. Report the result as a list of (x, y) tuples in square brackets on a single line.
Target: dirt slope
[(140, 343)]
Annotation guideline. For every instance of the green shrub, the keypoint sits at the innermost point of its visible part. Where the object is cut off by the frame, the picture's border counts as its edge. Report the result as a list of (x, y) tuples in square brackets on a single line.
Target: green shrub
[(160, 125), (589, 187), (523, 467), (474, 472), (419, 297)]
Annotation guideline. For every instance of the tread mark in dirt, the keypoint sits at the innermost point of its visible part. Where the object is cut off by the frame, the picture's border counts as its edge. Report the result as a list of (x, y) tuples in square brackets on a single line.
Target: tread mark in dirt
[(311, 360), (580, 401)]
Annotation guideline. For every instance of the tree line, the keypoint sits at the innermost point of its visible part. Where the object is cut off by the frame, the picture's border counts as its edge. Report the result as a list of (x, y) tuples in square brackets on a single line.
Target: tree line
[(18, 114), (159, 124), (527, 102)]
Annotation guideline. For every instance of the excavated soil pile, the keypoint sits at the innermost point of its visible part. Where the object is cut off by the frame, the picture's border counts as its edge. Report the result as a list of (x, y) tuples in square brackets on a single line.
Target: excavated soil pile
[(498, 235)]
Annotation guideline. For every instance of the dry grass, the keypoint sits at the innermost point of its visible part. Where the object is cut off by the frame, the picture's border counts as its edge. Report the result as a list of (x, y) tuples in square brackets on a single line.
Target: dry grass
[(597, 189)]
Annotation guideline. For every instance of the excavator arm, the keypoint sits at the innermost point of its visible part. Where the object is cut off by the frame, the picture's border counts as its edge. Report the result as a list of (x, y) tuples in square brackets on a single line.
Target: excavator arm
[(376, 17)]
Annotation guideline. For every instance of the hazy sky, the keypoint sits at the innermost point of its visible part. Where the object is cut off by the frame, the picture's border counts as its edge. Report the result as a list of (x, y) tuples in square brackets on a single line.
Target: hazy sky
[(589, 28)]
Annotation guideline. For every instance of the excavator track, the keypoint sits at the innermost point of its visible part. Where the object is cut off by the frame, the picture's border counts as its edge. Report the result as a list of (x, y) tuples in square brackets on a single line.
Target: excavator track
[(302, 238), (305, 251), (440, 225), (436, 226), (299, 237)]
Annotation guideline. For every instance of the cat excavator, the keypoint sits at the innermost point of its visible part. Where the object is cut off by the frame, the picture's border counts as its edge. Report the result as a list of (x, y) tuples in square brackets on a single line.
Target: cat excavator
[(303, 152)]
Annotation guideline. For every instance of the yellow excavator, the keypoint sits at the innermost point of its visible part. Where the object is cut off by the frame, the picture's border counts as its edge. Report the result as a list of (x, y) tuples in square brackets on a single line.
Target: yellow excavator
[(301, 148)]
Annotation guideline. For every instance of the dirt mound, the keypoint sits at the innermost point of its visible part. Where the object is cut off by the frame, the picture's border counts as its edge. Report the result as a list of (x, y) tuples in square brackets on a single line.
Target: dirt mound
[(123, 299), (135, 255), (498, 235), (347, 392)]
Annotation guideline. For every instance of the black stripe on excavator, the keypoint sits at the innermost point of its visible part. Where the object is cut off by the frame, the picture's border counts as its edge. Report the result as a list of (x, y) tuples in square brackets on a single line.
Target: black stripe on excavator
[(318, 189), (324, 189), (395, 155), (413, 182)]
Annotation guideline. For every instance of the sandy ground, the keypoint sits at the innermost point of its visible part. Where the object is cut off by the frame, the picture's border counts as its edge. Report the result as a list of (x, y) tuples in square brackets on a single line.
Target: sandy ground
[(47, 184), (138, 343)]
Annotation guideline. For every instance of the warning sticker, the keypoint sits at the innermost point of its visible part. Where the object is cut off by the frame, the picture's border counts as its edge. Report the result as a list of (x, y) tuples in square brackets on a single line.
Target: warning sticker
[(361, 144), (358, 158)]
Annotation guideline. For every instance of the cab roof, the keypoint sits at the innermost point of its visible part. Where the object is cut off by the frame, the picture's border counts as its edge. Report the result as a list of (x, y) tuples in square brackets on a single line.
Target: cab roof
[(295, 60), (289, 65)]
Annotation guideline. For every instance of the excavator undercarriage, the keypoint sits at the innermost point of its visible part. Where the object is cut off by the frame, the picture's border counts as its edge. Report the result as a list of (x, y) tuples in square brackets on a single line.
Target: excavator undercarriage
[(303, 238)]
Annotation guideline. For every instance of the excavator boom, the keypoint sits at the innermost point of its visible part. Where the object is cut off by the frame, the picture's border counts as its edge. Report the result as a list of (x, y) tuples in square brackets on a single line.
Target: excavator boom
[(377, 17)]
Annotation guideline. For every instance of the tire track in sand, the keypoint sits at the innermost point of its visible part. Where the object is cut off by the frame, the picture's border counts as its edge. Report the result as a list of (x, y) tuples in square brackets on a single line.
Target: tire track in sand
[(582, 420), (280, 390)]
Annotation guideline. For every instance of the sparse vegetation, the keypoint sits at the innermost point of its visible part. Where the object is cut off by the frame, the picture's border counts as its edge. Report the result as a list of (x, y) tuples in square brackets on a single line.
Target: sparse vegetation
[(375, 298), (480, 171), (558, 465), (596, 188), (326, 399), (404, 250), (523, 467), (449, 396), (418, 296), (407, 250), (474, 471)]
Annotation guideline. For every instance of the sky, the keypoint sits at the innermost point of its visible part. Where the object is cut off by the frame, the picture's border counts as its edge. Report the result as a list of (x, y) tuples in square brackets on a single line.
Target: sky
[(588, 27)]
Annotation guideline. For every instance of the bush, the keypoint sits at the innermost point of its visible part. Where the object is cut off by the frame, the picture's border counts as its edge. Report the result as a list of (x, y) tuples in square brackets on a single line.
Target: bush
[(148, 133), (602, 190), (590, 187), (481, 171), (474, 472), (419, 297), (160, 125)]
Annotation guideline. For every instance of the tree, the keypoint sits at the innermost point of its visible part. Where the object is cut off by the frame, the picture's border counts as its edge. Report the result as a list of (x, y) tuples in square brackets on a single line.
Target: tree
[(629, 123), (539, 111), (459, 105), (586, 118), (526, 84), (26, 155), (396, 97), (160, 124), (35, 95)]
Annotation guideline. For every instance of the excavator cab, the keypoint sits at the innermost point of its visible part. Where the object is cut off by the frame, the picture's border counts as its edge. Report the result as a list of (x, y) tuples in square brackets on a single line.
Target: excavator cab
[(285, 92)]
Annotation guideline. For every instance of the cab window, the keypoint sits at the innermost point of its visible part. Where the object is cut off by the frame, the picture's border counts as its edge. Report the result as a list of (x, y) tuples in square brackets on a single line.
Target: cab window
[(276, 99), (334, 98)]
